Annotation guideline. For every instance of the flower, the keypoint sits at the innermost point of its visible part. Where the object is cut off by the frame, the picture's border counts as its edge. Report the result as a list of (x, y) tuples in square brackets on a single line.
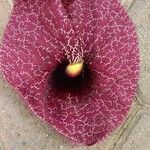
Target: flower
[(43, 38)]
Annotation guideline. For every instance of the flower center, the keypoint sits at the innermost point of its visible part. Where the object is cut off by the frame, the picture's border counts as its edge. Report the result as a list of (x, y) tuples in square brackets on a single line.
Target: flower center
[(74, 69), (72, 77)]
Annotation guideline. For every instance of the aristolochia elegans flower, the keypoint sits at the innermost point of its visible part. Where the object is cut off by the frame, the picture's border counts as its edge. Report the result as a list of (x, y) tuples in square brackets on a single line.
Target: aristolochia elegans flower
[(74, 62)]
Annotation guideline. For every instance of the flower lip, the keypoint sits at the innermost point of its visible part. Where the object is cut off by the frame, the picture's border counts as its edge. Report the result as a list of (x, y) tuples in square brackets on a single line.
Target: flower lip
[(61, 81)]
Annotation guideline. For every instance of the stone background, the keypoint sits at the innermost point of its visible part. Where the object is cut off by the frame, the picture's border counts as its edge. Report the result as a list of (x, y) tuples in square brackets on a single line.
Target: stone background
[(22, 131)]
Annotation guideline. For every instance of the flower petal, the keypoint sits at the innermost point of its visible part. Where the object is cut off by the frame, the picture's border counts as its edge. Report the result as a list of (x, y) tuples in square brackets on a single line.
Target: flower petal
[(36, 40)]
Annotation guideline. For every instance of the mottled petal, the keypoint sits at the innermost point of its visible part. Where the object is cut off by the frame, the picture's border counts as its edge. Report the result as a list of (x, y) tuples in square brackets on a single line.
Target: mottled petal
[(42, 35)]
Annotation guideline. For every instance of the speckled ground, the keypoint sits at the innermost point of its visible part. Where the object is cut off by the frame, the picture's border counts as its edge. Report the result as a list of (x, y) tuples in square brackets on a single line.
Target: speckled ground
[(22, 131)]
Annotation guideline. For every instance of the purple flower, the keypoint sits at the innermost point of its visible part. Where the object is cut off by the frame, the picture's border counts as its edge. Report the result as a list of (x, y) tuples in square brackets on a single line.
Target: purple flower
[(43, 37)]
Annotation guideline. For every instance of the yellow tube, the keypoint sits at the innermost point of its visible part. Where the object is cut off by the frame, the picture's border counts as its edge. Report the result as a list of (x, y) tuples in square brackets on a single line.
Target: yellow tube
[(74, 69)]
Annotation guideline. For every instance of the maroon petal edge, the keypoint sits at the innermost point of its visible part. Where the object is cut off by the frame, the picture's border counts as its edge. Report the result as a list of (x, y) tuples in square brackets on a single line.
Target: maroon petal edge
[(36, 39)]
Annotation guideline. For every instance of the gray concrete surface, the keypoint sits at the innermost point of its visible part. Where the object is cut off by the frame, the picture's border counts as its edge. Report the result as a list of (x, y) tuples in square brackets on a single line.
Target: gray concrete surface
[(21, 130)]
